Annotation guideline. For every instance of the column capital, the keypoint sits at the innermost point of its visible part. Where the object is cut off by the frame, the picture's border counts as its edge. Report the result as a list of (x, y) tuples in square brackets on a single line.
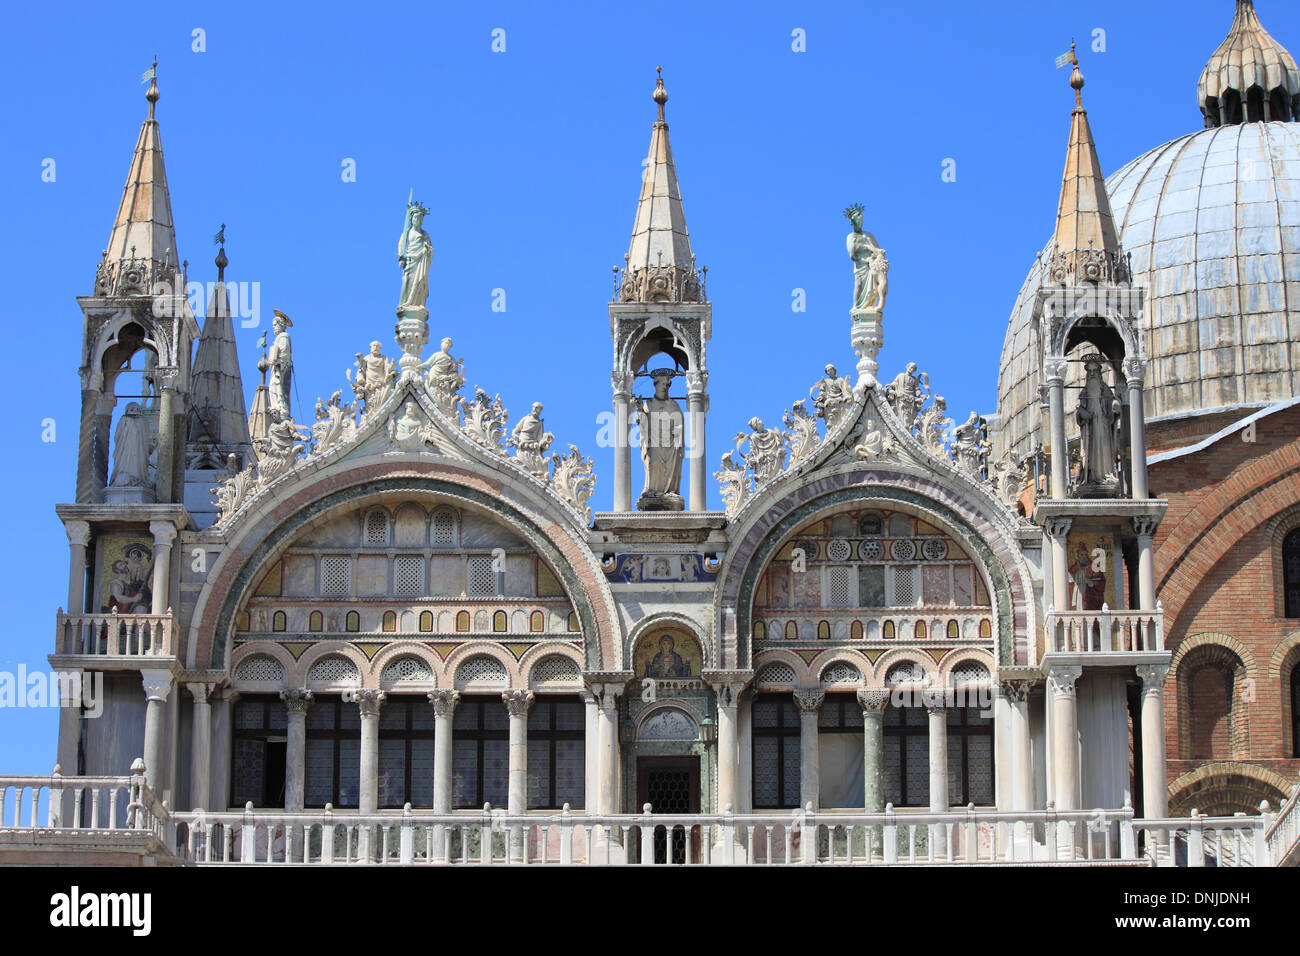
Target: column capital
[(873, 700), (1135, 369), (621, 382), (444, 702), (201, 691), (370, 701), (1057, 527), (78, 532), (1054, 369), (696, 382), (1016, 691), (1144, 526), (1153, 678), (607, 695), (157, 684), (935, 700), (727, 686), (518, 702), (164, 533), (1061, 678), (809, 699), (296, 700)]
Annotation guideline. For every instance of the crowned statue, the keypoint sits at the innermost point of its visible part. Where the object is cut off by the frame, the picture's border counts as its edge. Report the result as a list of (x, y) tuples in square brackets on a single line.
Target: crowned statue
[(870, 266), (414, 253)]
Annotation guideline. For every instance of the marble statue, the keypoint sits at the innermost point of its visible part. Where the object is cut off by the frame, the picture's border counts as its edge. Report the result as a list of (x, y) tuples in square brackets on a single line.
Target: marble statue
[(374, 374), (444, 376), (132, 442), (970, 446), (530, 441), (875, 442), (276, 452), (414, 253), (907, 393), (869, 265), (1098, 414), (767, 450), (334, 423), (410, 431), (280, 362), (934, 428), (663, 441), (832, 397)]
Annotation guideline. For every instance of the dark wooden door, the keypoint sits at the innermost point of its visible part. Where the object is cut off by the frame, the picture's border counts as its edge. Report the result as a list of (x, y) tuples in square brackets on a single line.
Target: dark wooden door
[(670, 785)]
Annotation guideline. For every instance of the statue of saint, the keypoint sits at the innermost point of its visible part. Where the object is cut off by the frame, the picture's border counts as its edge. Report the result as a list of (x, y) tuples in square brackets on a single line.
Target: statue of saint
[(831, 397), (415, 253), (444, 375), (280, 361), (767, 450), (1097, 414), (970, 446), (374, 372), (869, 264), (663, 440), (907, 393), (410, 431), (531, 440), (132, 443)]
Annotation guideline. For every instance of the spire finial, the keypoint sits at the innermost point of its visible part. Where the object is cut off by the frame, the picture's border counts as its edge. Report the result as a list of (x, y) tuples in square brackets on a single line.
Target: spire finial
[(660, 94), (152, 94), (1076, 79), (221, 261)]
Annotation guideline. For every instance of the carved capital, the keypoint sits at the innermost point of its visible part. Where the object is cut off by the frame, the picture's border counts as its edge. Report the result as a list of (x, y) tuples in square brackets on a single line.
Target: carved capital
[(1153, 678), (934, 700), (1135, 370), (1062, 679), (444, 702), (621, 382), (696, 382), (370, 701), (78, 533), (809, 699), (201, 691), (518, 702), (157, 684), (607, 696), (1054, 370), (1144, 526), (296, 700), (1016, 691), (1057, 528), (164, 533), (873, 700)]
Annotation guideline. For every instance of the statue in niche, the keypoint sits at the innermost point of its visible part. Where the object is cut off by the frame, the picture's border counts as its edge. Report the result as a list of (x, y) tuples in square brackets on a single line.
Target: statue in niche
[(374, 374), (280, 362), (414, 254), (530, 441), (132, 443), (1098, 413), (444, 376), (410, 431), (832, 397), (663, 441), (869, 265), (907, 393)]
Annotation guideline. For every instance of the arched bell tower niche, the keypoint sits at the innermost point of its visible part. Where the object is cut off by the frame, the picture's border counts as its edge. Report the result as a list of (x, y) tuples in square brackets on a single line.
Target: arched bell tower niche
[(661, 322)]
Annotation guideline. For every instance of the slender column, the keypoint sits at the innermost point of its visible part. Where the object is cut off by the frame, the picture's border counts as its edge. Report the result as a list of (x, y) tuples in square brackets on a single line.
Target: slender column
[(1055, 369), (78, 538), (1134, 372), (591, 731), (164, 533), (99, 453), (607, 796), (1017, 694), (87, 485), (1058, 530), (157, 685), (728, 747), (444, 709), (296, 703), (622, 382), (873, 701), (1145, 528), (201, 746), (809, 701), (72, 694), (1155, 786), (369, 701), (1065, 736), (165, 473), (934, 706), (518, 703), (697, 404)]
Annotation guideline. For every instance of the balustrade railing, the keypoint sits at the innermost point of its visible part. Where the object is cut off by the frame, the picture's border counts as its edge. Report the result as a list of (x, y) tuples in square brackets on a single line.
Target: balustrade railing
[(1105, 631), (114, 635), (1283, 833)]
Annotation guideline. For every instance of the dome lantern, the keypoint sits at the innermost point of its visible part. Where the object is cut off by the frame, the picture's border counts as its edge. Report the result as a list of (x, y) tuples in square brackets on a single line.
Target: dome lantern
[(1250, 78)]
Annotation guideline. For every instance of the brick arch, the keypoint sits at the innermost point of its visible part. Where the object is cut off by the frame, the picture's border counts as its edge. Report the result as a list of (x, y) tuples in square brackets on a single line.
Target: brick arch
[(1288, 647), (1225, 787), (1276, 533), (1187, 644), (1213, 652)]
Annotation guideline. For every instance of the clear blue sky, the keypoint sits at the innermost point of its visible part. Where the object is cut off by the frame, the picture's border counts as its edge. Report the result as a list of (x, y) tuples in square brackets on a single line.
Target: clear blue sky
[(530, 163)]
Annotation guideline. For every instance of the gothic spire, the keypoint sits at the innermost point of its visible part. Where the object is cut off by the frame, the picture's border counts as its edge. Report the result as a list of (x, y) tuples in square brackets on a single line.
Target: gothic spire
[(660, 266), (1086, 242), (217, 411), (142, 248), (1250, 78)]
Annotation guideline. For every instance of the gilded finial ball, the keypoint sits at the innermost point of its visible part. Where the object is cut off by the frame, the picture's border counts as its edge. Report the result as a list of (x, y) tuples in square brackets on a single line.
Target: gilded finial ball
[(1076, 78), (660, 94)]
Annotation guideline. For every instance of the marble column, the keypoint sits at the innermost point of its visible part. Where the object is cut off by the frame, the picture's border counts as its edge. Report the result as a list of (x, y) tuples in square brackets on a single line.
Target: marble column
[(1155, 783), (518, 703), (809, 701), (157, 685), (444, 781), (1017, 693), (938, 714), (1058, 532), (164, 533), (607, 795), (697, 404), (1065, 735), (1134, 372), (72, 695), (201, 746), (873, 701), (622, 382), (164, 474), (78, 539), (591, 755), (370, 702), (296, 703), (1145, 528), (1055, 369)]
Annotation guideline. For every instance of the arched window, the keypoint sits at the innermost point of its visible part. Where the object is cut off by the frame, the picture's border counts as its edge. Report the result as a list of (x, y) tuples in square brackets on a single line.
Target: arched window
[(573, 621), (855, 631), (791, 631), (823, 630), (390, 621), (353, 621), (278, 621), (426, 620), (889, 630), (462, 620), (760, 631), (315, 622), (536, 622), (1291, 572), (499, 621)]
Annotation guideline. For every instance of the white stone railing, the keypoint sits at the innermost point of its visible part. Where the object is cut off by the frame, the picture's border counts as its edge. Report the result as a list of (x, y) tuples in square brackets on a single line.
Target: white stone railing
[(1283, 834), (81, 803), (114, 635), (1200, 841), (1105, 631)]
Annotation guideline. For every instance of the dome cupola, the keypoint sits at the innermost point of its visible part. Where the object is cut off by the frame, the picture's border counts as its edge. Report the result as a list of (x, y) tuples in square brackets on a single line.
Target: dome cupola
[(1250, 78)]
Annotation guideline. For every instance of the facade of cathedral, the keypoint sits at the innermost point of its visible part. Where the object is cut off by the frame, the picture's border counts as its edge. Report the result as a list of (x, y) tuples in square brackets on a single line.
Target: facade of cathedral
[(1083, 601)]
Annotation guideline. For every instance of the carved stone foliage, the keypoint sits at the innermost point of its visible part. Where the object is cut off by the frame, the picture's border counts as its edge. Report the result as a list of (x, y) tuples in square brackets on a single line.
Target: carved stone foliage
[(935, 427), (669, 283), (574, 479), (335, 424), (285, 440), (1008, 479), (802, 430), (735, 482), (484, 420)]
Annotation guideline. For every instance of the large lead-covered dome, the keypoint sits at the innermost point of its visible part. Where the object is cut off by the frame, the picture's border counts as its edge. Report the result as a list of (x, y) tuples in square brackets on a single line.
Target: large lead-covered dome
[(1212, 221)]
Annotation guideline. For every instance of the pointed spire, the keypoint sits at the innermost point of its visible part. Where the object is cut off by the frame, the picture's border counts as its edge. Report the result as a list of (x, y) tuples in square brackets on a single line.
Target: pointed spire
[(259, 419), (1086, 241), (659, 266), (217, 412), (142, 248), (1250, 77)]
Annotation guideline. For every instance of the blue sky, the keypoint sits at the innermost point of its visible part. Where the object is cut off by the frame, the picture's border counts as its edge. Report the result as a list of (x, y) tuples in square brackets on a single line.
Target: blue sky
[(530, 162)]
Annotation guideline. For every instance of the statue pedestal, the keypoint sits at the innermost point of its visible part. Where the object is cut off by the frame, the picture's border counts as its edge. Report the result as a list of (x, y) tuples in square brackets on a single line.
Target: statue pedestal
[(867, 337), (128, 495), (412, 334), (668, 502)]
